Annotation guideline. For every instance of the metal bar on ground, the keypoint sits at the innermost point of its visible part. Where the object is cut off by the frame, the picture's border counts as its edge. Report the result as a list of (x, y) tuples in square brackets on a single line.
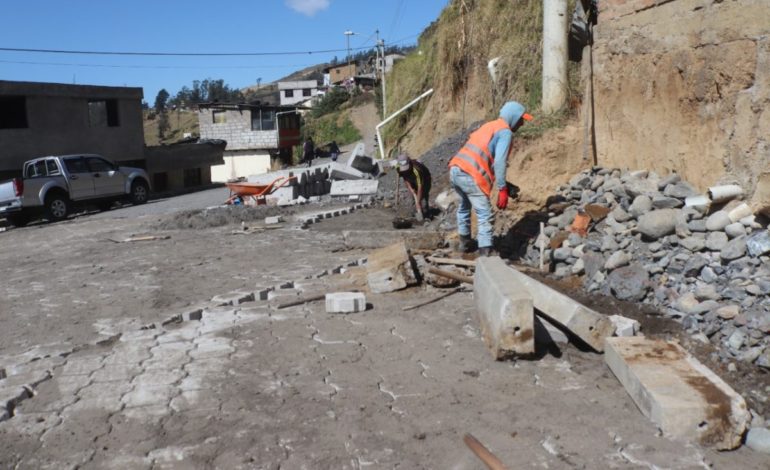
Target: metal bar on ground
[(435, 299)]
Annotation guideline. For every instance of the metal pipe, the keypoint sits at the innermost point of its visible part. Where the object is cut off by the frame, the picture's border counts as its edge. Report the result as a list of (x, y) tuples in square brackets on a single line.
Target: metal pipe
[(390, 118)]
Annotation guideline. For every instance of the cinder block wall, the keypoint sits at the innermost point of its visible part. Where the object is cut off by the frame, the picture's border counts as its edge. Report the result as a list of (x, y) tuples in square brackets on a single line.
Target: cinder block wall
[(236, 130), (684, 85)]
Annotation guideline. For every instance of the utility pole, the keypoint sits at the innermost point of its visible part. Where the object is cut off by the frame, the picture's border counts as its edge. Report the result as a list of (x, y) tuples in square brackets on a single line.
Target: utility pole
[(554, 55), (347, 34), (381, 43)]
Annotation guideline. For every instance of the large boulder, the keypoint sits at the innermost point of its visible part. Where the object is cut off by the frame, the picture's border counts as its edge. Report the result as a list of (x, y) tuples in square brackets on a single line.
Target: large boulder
[(659, 223), (629, 282)]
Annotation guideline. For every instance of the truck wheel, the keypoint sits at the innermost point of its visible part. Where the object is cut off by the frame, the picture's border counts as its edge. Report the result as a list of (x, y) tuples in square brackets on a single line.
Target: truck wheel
[(140, 191), (18, 220), (57, 207)]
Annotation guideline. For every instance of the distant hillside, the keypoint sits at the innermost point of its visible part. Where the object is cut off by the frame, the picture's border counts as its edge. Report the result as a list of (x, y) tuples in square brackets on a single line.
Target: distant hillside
[(181, 122)]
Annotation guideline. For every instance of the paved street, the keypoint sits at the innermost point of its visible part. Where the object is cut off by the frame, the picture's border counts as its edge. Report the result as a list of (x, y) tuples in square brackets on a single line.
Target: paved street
[(115, 356)]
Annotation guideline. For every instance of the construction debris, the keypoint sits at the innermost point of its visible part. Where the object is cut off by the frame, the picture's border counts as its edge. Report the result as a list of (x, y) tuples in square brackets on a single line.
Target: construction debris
[(692, 257), (146, 238), (678, 393), (390, 269), (588, 325), (451, 275), (345, 302), (505, 309), (489, 459)]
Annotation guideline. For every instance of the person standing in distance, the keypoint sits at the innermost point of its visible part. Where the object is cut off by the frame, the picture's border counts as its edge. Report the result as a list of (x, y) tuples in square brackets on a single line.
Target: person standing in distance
[(479, 165)]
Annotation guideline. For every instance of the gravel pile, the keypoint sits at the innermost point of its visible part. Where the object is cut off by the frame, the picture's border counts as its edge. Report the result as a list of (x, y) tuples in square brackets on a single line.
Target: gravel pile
[(706, 267)]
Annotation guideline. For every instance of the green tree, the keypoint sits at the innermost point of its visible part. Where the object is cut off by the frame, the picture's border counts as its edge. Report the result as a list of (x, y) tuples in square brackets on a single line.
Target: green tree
[(163, 125), (161, 100)]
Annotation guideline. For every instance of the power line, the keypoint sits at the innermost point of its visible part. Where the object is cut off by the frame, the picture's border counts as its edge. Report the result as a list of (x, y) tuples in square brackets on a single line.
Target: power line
[(192, 54), (130, 66), (174, 54)]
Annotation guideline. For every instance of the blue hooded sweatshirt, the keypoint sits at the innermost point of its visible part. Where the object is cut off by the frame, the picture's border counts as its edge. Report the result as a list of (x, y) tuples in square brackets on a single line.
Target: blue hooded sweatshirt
[(511, 112)]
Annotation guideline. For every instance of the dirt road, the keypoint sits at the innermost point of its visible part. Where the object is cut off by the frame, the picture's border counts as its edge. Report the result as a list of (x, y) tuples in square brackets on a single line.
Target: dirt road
[(100, 382)]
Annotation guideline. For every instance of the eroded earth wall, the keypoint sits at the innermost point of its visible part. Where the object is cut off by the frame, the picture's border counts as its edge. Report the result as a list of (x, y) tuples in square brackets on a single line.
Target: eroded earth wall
[(684, 85)]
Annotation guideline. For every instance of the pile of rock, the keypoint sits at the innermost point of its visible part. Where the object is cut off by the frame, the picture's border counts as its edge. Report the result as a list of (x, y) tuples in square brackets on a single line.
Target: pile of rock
[(656, 240)]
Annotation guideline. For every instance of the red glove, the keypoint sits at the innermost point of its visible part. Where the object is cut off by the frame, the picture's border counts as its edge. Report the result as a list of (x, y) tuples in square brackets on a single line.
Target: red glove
[(502, 197)]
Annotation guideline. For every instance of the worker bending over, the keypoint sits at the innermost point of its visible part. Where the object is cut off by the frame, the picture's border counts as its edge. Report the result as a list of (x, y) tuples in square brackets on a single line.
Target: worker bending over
[(480, 164), (417, 178)]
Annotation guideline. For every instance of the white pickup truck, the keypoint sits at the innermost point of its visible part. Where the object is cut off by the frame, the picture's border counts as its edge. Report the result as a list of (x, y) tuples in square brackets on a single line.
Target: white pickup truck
[(53, 185)]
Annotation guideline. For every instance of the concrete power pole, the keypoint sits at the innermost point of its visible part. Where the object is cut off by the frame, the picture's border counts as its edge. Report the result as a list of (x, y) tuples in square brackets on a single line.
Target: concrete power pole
[(381, 43), (554, 55)]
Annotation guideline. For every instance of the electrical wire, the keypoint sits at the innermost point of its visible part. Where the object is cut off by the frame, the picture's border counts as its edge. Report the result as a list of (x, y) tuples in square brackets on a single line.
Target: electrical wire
[(174, 54), (131, 66)]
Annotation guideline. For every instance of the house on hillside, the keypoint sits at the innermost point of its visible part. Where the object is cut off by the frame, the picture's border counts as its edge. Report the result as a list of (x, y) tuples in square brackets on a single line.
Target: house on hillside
[(295, 92), (39, 119), (337, 74), (256, 134)]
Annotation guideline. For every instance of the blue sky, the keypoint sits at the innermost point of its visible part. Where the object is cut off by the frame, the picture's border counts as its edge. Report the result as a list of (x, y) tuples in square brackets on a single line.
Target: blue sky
[(193, 26)]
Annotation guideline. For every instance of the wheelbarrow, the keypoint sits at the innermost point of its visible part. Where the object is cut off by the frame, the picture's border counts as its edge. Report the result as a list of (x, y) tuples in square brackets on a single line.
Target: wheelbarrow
[(242, 191)]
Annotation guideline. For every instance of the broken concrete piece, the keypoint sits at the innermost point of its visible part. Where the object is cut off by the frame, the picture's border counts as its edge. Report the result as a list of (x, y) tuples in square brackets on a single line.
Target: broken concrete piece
[(625, 326), (504, 309), (390, 269), (588, 325), (273, 220), (338, 171), (354, 187), (678, 393), (345, 302)]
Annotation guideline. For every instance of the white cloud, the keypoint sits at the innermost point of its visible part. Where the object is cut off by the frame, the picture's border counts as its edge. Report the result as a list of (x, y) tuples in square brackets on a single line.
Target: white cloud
[(308, 7)]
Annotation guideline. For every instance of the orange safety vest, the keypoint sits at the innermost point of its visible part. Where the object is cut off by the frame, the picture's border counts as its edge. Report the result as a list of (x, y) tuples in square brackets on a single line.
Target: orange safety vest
[(475, 158)]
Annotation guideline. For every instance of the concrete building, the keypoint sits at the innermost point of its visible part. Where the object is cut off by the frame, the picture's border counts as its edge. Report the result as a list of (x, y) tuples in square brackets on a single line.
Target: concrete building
[(38, 119), (297, 91), (339, 73), (256, 134)]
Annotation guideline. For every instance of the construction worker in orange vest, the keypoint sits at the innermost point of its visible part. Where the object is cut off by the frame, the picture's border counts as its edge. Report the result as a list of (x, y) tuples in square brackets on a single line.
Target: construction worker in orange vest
[(480, 164)]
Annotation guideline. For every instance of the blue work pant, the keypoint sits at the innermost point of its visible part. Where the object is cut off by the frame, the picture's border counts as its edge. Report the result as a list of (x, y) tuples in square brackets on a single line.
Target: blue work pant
[(472, 196)]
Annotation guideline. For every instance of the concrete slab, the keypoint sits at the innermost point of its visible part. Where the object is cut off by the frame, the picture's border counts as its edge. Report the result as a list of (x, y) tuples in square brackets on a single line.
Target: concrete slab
[(345, 302), (505, 309), (625, 326), (338, 171), (355, 187), (678, 393), (390, 269), (588, 325)]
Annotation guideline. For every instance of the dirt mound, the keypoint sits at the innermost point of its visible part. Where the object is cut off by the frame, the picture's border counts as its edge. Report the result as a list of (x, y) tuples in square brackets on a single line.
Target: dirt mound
[(219, 216)]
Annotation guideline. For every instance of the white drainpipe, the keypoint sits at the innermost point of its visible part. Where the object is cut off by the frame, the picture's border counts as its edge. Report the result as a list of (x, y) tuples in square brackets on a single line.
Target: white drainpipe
[(390, 118)]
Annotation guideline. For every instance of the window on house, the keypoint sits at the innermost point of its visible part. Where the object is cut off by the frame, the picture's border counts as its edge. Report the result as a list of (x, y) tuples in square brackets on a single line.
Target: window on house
[(268, 120), (13, 112), (306, 92), (103, 113), (262, 120), (288, 93), (219, 116)]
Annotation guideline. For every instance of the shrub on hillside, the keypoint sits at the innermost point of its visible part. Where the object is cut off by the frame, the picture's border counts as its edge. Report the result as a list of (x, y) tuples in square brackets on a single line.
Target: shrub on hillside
[(331, 102)]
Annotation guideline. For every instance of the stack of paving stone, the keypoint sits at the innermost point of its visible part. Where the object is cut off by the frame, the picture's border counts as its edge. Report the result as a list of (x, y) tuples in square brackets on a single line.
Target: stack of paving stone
[(705, 265), (319, 180)]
